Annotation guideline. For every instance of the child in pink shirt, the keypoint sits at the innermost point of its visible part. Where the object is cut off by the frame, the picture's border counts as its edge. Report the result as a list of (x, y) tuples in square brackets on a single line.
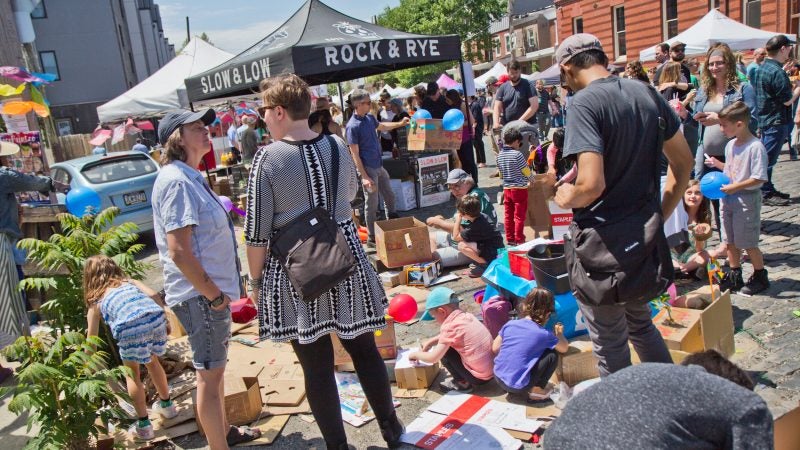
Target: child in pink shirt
[(464, 345), (553, 158)]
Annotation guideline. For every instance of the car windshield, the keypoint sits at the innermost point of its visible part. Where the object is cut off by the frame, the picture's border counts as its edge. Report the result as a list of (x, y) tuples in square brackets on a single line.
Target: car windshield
[(115, 169)]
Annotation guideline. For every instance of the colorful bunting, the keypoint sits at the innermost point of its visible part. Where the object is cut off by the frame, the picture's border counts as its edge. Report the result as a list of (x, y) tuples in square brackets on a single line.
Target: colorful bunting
[(20, 74), (24, 107), (6, 90)]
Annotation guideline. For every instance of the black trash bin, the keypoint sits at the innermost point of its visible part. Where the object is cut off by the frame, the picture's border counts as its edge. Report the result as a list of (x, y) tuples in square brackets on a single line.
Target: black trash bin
[(550, 267)]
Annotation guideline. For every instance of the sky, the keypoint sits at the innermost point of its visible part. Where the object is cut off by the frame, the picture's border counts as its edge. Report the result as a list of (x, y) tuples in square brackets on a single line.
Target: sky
[(234, 25)]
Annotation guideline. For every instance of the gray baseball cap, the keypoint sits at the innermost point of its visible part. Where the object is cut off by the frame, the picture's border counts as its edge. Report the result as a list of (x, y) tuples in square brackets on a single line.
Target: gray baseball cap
[(174, 119), (577, 43), (456, 176)]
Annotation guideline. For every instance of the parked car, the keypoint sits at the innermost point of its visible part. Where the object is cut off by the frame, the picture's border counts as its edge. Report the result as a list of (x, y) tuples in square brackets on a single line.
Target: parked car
[(121, 179)]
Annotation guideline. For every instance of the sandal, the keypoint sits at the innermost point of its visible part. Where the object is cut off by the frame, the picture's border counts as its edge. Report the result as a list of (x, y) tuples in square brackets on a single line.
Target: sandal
[(536, 397), (476, 271), (237, 435)]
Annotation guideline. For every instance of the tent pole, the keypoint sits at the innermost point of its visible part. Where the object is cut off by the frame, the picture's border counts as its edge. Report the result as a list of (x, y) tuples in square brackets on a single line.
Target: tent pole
[(341, 99), (466, 96)]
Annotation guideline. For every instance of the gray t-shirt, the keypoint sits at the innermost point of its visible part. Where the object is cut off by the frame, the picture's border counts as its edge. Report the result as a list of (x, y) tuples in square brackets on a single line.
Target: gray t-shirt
[(663, 406), (746, 161), (515, 99), (618, 118), (713, 139)]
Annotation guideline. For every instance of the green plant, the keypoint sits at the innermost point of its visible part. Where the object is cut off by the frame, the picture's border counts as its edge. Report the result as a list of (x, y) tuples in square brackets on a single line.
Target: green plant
[(65, 386), (64, 255)]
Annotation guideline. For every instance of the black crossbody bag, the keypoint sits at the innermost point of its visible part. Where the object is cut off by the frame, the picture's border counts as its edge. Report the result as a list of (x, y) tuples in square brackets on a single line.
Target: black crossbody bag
[(312, 249), (612, 264)]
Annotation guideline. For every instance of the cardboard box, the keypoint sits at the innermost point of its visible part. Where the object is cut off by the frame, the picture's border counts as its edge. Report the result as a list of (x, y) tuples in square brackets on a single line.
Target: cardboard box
[(393, 278), (538, 217), (176, 329), (579, 363), (402, 241), (419, 377), (243, 402), (222, 187), (787, 430), (405, 194), (384, 339), (698, 330), (429, 134), (422, 274), (560, 219)]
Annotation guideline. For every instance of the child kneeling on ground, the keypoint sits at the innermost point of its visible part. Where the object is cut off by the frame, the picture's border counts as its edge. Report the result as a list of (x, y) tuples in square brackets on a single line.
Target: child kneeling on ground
[(526, 351), (477, 238), (463, 345), (746, 166), (139, 326)]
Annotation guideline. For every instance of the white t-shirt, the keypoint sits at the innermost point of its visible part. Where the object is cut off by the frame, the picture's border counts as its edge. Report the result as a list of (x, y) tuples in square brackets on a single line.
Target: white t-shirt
[(386, 116)]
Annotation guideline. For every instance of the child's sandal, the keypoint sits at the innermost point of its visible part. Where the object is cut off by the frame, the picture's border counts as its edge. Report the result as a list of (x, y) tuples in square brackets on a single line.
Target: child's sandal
[(238, 435)]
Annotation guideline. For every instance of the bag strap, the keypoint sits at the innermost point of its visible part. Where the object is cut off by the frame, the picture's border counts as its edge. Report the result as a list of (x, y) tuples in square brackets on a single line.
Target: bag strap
[(662, 126), (334, 172)]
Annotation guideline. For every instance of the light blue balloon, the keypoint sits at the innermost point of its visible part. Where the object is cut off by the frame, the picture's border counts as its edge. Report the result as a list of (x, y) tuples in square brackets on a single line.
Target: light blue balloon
[(453, 120), (81, 201), (422, 114), (711, 183)]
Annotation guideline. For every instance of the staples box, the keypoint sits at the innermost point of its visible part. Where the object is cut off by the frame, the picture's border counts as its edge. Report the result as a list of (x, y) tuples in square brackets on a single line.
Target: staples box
[(697, 330), (402, 241), (560, 219), (429, 134)]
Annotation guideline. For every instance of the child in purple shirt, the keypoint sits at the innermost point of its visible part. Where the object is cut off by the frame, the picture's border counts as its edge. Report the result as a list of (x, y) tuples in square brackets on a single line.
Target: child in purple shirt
[(526, 352)]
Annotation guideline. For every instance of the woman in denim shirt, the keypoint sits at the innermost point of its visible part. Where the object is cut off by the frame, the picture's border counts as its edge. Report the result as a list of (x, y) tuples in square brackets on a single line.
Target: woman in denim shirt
[(719, 87)]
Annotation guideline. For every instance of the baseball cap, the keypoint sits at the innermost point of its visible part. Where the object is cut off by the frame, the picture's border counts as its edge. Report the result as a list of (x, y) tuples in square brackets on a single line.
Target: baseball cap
[(174, 119), (491, 81), (577, 43), (8, 148), (677, 44), (439, 297), (456, 176), (503, 78)]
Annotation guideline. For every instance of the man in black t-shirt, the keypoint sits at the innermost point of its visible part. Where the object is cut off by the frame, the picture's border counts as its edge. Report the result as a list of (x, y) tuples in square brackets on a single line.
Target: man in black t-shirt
[(515, 99), (434, 101), (612, 133)]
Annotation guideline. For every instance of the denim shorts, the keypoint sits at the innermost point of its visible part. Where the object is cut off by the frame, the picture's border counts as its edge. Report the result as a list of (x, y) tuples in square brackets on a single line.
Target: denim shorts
[(208, 332)]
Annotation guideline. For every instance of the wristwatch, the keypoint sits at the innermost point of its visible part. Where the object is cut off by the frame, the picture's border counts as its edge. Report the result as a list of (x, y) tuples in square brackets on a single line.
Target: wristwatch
[(218, 300)]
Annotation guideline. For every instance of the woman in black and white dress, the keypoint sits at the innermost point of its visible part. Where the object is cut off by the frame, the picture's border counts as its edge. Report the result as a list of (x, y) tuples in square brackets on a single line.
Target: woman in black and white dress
[(289, 177)]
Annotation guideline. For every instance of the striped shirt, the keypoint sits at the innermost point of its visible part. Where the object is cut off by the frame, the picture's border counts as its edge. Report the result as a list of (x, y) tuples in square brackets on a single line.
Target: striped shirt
[(124, 306), (513, 169)]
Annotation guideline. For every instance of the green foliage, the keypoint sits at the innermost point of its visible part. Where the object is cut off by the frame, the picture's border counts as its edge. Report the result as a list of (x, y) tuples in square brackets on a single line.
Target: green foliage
[(65, 386), (64, 255), (469, 19)]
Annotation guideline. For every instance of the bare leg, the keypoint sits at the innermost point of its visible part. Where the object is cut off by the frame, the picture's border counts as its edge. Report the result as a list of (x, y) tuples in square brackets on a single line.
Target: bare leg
[(136, 389), (210, 395), (470, 252), (756, 258), (159, 377), (734, 257)]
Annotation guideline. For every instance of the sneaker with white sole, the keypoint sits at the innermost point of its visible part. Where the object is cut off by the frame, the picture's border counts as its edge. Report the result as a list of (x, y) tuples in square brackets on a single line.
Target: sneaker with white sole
[(167, 412), (142, 433)]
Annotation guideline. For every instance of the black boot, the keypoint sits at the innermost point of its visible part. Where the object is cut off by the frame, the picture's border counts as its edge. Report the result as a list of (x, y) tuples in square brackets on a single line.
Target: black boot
[(732, 280), (758, 282), (391, 431)]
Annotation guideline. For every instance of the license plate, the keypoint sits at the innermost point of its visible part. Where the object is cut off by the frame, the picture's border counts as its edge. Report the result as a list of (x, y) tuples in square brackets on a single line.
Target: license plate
[(134, 198)]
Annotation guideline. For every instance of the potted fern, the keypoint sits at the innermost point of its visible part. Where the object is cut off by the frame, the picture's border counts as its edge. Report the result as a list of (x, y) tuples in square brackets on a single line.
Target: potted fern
[(65, 386)]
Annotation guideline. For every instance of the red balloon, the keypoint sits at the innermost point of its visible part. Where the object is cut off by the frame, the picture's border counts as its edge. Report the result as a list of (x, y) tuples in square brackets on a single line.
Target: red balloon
[(402, 308)]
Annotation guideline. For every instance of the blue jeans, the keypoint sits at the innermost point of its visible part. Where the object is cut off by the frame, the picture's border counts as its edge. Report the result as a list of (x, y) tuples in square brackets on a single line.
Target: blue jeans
[(773, 139), (208, 332)]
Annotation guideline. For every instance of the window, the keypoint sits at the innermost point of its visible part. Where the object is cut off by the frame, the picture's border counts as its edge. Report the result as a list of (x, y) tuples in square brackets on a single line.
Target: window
[(618, 18), (64, 126), (752, 13), (670, 13), (496, 46), (577, 25), (61, 175), (49, 63), (532, 38), (713, 4), (39, 12), (511, 42), (116, 169)]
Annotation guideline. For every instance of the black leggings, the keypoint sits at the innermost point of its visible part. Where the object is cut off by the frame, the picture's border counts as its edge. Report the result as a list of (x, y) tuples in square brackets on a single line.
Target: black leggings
[(467, 158), (540, 373), (316, 359), (477, 142), (453, 363)]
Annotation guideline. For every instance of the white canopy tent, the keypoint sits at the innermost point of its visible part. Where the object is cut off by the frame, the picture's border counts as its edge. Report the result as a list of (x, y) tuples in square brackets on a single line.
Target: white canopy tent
[(497, 70), (717, 27), (165, 89)]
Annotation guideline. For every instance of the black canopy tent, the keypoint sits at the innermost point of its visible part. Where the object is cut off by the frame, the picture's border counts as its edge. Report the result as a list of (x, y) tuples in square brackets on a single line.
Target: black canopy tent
[(322, 45)]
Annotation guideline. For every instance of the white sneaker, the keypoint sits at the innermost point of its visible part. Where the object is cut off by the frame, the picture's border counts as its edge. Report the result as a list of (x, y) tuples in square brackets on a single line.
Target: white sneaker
[(167, 412), (142, 433)]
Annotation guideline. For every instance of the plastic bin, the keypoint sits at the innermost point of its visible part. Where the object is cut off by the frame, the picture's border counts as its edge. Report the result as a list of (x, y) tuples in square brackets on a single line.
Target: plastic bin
[(520, 264), (549, 267)]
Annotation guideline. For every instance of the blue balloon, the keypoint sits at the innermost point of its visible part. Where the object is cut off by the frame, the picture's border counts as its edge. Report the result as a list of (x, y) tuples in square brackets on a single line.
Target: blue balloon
[(453, 120), (422, 114), (81, 201), (711, 183)]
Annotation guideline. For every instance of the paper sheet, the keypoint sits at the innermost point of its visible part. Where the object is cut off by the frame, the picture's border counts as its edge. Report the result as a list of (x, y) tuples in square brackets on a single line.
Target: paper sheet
[(403, 362), (431, 430), (488, 412)]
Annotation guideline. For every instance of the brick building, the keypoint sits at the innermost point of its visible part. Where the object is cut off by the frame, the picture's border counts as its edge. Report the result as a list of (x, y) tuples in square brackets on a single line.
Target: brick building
[(627, 27)]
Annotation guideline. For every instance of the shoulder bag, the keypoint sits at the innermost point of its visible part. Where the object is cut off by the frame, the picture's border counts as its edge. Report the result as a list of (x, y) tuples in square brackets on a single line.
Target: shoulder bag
[(626, 260), (312, 249)]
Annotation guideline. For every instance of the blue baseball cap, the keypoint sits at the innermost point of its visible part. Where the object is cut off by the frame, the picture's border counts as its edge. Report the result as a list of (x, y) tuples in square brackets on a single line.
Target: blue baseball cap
[(440, 296)]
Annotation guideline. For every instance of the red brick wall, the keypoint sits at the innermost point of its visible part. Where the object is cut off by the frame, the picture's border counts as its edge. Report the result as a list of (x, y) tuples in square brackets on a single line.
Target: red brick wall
[(643, 21)]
